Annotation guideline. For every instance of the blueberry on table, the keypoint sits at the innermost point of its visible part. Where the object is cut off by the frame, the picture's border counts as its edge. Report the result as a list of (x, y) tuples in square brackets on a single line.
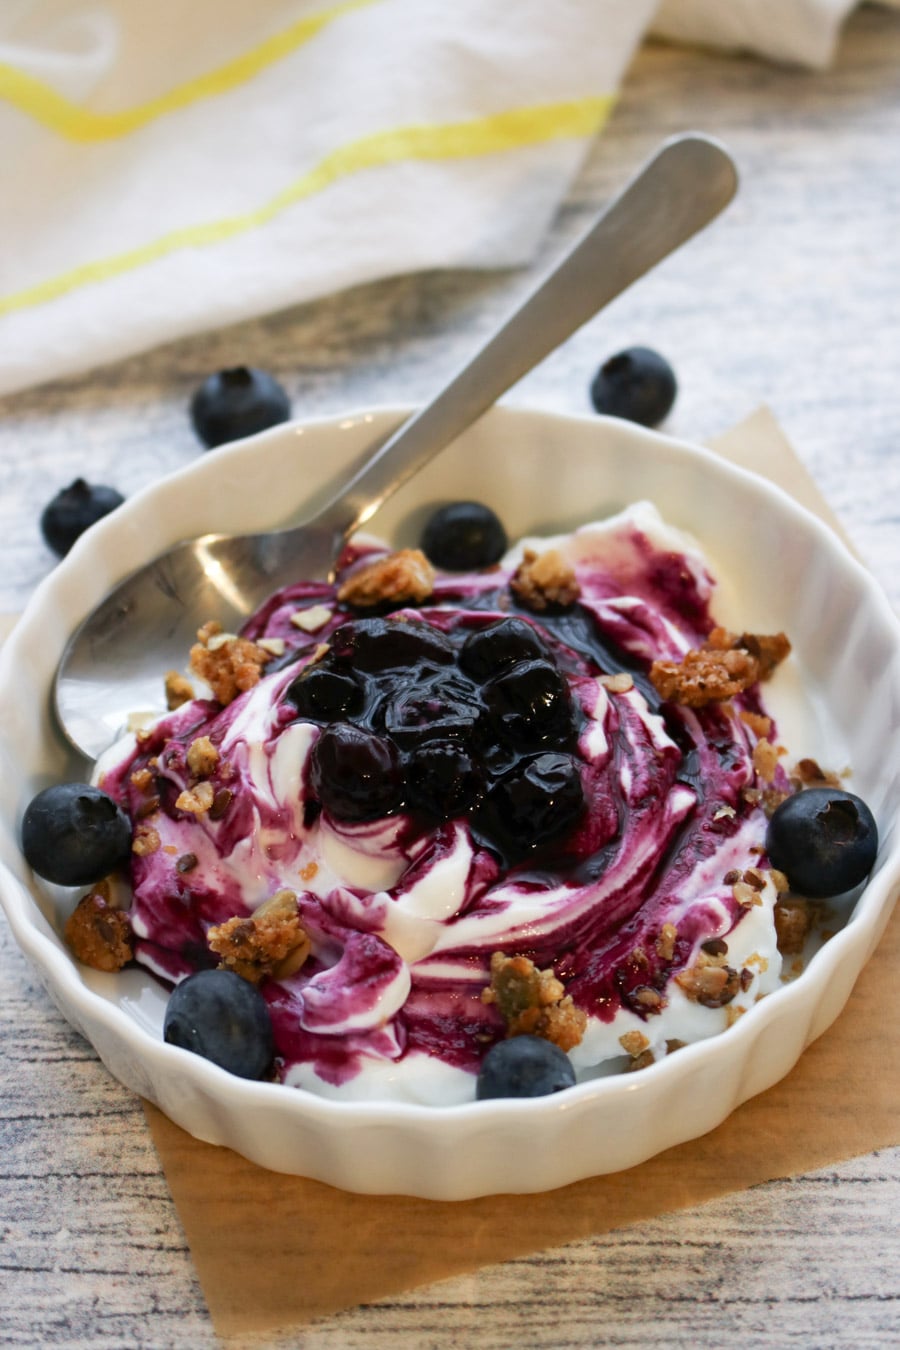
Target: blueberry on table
[(223, 1018), (66, 517), (464, 536), (73, 834), (524, 1066), (637, 384), (236, 403), (824, 840)]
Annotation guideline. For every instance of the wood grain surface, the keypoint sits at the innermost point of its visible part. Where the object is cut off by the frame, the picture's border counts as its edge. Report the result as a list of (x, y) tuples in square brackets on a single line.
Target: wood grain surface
[(792, 299)]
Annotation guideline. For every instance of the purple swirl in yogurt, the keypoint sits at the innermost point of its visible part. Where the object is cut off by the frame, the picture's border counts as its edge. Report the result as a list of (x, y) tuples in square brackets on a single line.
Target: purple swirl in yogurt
[(462, 777)]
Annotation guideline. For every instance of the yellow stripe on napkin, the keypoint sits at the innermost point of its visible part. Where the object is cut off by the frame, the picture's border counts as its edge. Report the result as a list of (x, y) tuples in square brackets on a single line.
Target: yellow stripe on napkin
[(513, 129), (39, 101)]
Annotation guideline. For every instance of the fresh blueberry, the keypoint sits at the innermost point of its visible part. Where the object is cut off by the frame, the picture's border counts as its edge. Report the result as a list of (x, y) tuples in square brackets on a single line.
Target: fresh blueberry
[(535, 802), (824, 840), (355, 774), (524, 1066), (531, 706), (444, 779), (72, 510), (236, 403), (637, 384), (74, 834), (464, 536), (374, 645), (324, 695), (489, 650), (216, 1014)]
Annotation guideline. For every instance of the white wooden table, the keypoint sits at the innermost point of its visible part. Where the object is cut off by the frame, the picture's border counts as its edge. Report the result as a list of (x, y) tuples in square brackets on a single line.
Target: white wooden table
[(793, 299)]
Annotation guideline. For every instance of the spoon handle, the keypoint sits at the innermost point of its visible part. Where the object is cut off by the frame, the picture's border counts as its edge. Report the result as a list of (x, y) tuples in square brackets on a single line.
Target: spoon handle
[(683, 187)]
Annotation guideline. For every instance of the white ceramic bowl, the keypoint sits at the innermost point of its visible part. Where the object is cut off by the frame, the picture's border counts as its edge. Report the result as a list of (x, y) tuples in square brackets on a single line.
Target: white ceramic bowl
[(838, 699)]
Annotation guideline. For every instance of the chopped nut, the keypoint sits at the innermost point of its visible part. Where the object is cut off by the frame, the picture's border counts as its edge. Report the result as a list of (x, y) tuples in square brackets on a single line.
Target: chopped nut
[(403, 577), (665, 942), (179, 689), (533, 1002), (273, 645), (202, 757), (648, 998), (544, 581), (808, 773), (641, 1062), (753, 877), (722, 667), (220, 804), (309, 620), (229, 665), (746, 896), (186, 863), (271, 942), (714, 947), (793, 920), (196, 800), (99, 935), (617, 684)]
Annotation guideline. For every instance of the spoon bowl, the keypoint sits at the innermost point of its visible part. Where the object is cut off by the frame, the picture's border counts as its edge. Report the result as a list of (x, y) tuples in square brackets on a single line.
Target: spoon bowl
[(111, 665)]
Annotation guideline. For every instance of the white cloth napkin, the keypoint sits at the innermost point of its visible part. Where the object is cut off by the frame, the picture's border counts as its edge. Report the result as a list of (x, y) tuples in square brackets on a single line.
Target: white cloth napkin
[(173, 167)]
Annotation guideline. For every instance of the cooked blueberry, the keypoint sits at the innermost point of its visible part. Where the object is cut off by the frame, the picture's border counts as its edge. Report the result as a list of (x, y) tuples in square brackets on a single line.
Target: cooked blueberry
[(73, 834), (531, 706), (637, 384), (373, 645), (488, 651), (464, 536), (236, 403), (524, 1066), (355, 774), (216, 1014), (440, 707), (824, 840), (324, 695), (535, 802), (66, 517), (443, 779)]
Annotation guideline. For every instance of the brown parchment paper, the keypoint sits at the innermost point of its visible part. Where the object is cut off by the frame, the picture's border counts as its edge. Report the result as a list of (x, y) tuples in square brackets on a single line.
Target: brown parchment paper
[(275, 1251)]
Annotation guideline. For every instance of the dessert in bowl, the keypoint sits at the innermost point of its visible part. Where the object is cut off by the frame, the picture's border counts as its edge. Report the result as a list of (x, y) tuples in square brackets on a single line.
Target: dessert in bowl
[(775, 568)]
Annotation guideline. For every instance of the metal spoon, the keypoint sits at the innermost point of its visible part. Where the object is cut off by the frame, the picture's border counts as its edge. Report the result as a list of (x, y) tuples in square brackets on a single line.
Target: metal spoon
[(115, 661)]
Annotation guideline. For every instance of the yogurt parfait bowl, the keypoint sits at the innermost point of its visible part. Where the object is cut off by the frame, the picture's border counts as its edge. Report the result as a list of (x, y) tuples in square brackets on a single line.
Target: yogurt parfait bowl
[(525, 815)]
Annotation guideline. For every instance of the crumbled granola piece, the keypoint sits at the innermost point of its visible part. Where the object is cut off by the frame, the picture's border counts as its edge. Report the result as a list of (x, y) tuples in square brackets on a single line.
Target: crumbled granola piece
[(533, 1002), (196, 800), (745, 895), (405, 577), (179, 689), (641, 1062), (758, 723), (99, 935), (765, 759), (665, 941), (710, 985), (202, 757), (141, 779), (229, 665), (146, 841), (755, 878), (271, 942), (308, 871), (807, 773), (648, 998), (722, 667), (544, 581), (793, 920), (634, 1043)]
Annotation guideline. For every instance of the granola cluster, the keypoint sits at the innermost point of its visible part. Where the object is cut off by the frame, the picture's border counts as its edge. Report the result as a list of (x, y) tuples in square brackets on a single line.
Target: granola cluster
[(404, 577), (725, 665), (230, 665), (533, 1002), (544, 581), (98, 933), (271, 942)]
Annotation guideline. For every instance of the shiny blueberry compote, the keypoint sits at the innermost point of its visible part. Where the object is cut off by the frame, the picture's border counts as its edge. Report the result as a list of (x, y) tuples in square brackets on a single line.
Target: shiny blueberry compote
[(486, 771)]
